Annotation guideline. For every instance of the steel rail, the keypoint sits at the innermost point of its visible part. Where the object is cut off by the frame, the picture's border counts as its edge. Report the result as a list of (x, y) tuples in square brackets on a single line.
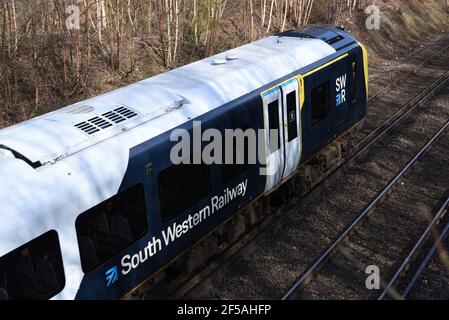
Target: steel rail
[(429, 256), (414, 250), (307, 275), (405, 110)]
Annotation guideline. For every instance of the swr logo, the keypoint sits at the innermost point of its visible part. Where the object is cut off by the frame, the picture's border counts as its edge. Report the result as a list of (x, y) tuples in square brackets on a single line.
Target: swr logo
[(340, 84)]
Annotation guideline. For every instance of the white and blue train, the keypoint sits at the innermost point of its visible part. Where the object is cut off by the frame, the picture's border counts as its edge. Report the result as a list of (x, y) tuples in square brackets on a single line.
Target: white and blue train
[(91, 204)]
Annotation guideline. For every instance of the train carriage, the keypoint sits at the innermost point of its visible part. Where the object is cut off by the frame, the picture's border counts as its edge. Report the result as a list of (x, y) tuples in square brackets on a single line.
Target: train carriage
[(92, 203)]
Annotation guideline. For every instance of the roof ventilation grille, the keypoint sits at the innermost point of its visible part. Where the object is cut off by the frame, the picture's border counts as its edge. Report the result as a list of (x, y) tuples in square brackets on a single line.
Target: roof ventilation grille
[(127, 113), (87, 127), (114, 117), (106, 120), (101, 123), (119, 115)]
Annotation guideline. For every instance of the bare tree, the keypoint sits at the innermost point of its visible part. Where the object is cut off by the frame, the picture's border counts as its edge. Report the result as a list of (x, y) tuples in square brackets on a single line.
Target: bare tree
[(270, 16), (12, 7)]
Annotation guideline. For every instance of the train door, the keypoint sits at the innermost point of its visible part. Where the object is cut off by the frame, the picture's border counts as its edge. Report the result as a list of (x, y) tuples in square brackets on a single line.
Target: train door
[(292, 126), (282, 118), (273, 118)]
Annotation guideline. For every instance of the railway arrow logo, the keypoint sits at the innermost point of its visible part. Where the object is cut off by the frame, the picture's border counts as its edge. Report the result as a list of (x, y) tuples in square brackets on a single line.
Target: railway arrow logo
[(111, 276)]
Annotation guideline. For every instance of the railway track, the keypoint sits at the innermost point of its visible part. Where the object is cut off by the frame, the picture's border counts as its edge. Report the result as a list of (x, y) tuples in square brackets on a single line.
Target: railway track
[(370, 137), (312, 271), (428, 275), (439, 221), (412, 85), (435, 264), (408, 74)]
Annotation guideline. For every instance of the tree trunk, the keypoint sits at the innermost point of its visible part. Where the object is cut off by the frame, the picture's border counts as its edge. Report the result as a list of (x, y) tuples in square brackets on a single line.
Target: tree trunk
[(270, 18), (251, 36), (6, 28), (14, 24)]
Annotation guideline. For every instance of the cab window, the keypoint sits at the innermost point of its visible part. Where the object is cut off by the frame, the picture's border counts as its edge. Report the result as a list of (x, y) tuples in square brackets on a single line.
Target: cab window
[(321, 105)]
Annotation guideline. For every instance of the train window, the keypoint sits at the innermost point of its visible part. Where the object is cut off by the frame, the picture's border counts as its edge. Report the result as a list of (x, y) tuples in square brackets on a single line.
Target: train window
[(33, 271), (354, 82), (273, 121), (292, 114), (321, 106), (180, 186), (231, 171), (111, 226)]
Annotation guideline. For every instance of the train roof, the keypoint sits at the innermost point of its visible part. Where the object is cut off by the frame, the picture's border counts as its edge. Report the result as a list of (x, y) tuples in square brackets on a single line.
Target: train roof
[(187, 91)]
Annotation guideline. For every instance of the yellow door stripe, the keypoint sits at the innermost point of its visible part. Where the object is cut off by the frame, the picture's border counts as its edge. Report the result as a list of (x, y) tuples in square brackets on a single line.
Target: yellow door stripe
[(300, 80), (365, 66)]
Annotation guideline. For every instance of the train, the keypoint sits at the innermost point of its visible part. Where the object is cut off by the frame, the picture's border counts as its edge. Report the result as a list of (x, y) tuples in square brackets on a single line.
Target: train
[(93, 205)]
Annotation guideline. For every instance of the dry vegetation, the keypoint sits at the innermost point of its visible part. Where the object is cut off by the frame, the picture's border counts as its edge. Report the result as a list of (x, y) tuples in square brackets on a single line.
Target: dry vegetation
[(45, 63)]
